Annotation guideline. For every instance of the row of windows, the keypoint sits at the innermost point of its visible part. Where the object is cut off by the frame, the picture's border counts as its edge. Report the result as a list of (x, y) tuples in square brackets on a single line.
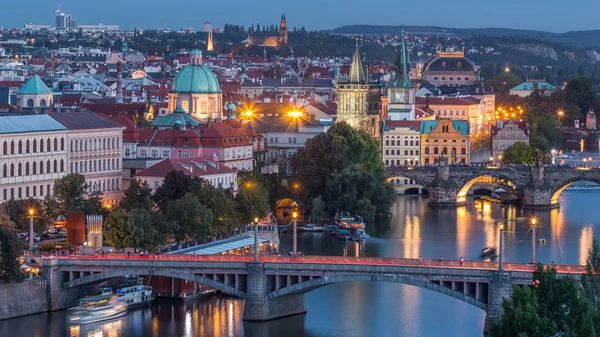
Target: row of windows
[(436, 160), (32, 169), (406, 143), (95, 144), (445, 141), (399, 152), (405, 137), (94, 165), (143, 153), (436, 150), (451, 78), (32, 147), (238, 154), (445, 113), (30, 103), (399, 163), (20, 195), (104, 185)]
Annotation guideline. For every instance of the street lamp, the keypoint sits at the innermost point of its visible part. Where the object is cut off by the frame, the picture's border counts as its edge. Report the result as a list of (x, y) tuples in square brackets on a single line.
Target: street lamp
[(31, 211), (295, 234), (533, 225), (255, 240), (500, 257)]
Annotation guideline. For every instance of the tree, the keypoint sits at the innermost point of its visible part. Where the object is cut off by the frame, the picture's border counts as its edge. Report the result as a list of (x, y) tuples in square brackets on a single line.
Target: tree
[(69, 191), (149, 228), (223, 208), (518, 153), (590, 281), (191, 219), (553, 308), (10, 248), (252, 198), (5, 222), (119, 230), (317, 209), (138, 195), (175, 186), (504, 81), (580, 92)]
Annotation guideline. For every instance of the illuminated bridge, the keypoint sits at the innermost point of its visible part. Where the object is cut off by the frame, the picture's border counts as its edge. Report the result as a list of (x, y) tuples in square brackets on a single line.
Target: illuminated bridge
[(538, 186), (275, 286)]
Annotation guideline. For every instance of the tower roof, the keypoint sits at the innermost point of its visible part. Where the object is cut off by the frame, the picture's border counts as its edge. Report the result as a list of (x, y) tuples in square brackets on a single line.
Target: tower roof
[(401, 78), (358, 74), (34, 86)]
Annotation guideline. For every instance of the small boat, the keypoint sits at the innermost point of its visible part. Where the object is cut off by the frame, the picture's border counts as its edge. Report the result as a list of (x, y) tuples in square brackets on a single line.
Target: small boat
[(282, 228), (488, 251), (331, 228), (359, 235), (310, 228), (348, 220), (541, 240), (133, 292), (96, 309)]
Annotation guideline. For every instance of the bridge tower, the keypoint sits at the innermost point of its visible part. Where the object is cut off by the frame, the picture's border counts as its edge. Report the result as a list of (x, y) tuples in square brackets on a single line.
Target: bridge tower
[(259, 307)]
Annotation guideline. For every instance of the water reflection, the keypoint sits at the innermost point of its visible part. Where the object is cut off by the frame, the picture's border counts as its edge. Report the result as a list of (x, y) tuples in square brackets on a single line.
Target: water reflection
[(356, 309)]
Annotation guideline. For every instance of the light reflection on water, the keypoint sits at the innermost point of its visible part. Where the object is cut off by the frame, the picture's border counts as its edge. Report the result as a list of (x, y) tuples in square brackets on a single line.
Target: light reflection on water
[(366, 308)]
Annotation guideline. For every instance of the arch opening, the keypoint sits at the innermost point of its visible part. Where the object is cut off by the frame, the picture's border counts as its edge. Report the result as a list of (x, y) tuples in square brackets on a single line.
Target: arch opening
[(488, 182), (575, 184), (402, 184)]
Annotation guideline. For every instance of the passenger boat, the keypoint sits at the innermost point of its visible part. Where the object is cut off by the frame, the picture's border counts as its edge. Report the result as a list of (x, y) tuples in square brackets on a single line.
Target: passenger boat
[(96, 309), (348, 220), (310, 228), (133, 292), (331, 228), (488, 252), (359, 235), (343, 234)]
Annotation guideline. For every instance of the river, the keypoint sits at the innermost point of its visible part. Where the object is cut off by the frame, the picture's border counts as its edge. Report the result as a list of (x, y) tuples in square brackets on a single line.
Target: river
[(368, 308)]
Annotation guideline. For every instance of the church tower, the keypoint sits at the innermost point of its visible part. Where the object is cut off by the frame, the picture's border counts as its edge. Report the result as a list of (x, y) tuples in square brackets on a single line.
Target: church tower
[(209, 43), (358, 99), (283, 31), (401, 91)]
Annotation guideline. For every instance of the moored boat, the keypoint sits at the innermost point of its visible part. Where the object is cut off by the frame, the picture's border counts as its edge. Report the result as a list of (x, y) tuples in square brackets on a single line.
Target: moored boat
[(343, 234), (96, 309), (310, 228), (133, 292), (359, 235)]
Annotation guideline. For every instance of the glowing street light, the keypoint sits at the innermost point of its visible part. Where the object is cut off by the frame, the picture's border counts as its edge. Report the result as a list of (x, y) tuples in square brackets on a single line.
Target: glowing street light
[(248, 113), (560, 113), (295, 234), (295, 114)]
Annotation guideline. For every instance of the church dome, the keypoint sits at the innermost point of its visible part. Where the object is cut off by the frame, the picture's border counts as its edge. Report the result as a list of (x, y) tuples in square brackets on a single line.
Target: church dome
[(442, 63), (196, 79), (231, 106)]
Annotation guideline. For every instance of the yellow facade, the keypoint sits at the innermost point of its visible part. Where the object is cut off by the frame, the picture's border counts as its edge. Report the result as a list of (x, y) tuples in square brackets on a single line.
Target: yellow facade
[(445, 138)]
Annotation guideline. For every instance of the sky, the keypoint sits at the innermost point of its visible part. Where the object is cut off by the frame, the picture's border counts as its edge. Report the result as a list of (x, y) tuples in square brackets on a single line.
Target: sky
[(548, 15)]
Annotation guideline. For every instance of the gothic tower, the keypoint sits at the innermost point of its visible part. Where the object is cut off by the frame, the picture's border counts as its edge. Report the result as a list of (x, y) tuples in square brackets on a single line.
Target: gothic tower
[(358, 98), (283, 31), (401, 91)]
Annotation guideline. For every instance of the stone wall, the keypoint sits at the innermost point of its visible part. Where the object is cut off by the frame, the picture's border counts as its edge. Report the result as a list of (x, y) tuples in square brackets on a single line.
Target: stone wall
[(25, 298)]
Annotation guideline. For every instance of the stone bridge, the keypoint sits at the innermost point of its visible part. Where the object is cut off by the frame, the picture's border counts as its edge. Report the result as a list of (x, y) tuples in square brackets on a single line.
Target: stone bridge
[(275, 286), (538, 186)]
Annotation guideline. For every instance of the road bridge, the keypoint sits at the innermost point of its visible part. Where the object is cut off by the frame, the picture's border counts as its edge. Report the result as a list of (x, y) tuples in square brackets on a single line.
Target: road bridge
[(274, 287), (539, 186)]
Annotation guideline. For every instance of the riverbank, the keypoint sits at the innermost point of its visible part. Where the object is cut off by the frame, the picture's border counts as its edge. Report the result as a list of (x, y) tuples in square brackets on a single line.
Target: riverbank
[(24, 298)]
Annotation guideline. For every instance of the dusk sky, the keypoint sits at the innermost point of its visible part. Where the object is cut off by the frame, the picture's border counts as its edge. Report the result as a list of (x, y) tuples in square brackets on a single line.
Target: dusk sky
[(549, 15)]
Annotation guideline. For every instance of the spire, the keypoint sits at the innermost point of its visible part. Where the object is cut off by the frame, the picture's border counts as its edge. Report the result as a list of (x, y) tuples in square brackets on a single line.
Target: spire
[(402, 79), (358, 73)]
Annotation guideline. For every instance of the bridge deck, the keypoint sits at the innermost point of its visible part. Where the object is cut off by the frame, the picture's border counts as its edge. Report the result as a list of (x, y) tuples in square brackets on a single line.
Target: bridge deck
[(336, 260)]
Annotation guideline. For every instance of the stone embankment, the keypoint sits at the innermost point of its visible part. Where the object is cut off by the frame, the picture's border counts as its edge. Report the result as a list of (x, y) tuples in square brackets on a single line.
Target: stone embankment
[(25, 298)]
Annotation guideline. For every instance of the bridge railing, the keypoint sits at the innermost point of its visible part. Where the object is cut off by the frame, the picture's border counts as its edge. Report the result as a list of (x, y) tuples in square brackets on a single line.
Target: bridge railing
[(339, 260)]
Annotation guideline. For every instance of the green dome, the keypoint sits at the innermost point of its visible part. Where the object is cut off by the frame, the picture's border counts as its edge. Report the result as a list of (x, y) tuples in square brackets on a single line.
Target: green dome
[(195, 52), (231, 106), (196, 79)]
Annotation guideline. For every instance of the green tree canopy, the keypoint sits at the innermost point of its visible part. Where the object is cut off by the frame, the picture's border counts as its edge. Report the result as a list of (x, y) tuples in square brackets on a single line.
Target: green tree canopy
[(10, 249), (504, 81), (252, 197), (69, 190), (176, 184), (518, 153), (580, 92), (190, 218), (138, 195), (119, 230), (150, 228)]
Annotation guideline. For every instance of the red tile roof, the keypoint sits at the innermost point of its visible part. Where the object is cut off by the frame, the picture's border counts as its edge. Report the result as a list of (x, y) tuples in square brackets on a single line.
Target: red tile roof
[(113, 109), (192, 166), (154, 137), (222, 135)]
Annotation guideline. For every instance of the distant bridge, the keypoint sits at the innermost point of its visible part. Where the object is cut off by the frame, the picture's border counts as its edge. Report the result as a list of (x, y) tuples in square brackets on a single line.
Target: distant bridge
[(539, 186)]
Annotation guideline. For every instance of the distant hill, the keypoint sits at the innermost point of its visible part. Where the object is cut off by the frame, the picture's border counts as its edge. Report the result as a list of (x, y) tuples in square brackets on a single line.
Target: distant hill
[(577, 39)]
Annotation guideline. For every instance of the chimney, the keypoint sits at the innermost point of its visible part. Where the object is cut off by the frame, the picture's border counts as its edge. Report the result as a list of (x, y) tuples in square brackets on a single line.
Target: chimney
[(119, 99)]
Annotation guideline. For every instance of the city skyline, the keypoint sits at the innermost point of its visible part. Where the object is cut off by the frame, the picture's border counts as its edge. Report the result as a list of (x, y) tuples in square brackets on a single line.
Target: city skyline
[(314, 15)]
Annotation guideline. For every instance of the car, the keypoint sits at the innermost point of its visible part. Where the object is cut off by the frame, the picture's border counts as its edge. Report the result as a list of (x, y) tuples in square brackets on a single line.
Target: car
[(22, 235)]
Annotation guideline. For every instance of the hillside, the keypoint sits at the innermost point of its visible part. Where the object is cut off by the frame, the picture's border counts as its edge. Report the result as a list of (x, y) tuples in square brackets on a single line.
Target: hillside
[(577, 39)]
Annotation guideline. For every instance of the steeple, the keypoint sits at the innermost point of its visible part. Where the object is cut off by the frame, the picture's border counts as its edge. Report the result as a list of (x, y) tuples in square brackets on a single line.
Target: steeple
[(283, 31), (402, 79), (358, 73), (209, 43)]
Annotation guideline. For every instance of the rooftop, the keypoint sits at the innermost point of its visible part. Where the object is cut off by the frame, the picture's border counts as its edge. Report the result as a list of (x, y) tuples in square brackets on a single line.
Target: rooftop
[(84, 121), (29, 123)]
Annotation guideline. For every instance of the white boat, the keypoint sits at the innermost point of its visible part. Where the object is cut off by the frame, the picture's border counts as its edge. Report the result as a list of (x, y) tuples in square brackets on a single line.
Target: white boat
[(310, 228), (96, 309), (359, 235), (133, 292)]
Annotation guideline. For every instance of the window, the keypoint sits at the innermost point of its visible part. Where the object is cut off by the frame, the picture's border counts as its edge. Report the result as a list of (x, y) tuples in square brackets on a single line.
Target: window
[(463, 151), (41, 167), (19, 170), (4, 171), (34, 190), (27, 168), (445, 150), (406, 152), (387, 152), (30, 103), (142, 153), (417, 152), (5, 148), (154, 153), (55, 166), (426, 150), (156, 184), (416, 143), (41, 145), (48, 145), (185, 104), (393, 142), (55, 144), (387, 142), (27, 146), (203, 107), (48, 170), (435, 150), (62, 165), (62, 144), (459, 64), (12, 147), (444, 64), (165, 153)]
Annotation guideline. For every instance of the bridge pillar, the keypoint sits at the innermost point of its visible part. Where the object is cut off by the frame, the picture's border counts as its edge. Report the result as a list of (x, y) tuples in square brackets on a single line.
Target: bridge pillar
[(259, 307), (443, 190), (538, 194), (500, 288), (51, 274)]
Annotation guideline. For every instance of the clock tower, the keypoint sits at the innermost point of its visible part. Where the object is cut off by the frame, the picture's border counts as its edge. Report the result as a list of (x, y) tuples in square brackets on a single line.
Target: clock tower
[(400, 90)]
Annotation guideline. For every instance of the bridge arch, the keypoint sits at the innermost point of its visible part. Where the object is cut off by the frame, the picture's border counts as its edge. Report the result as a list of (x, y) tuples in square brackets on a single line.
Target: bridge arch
[(405, 183), (306, 286), (484, 177), (184, 275), (564, 184)]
